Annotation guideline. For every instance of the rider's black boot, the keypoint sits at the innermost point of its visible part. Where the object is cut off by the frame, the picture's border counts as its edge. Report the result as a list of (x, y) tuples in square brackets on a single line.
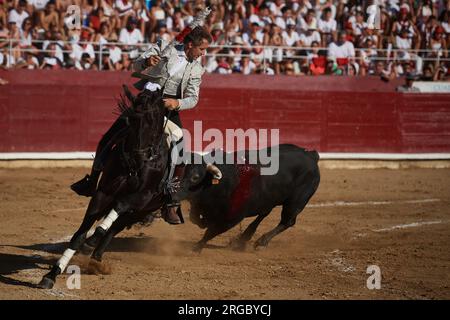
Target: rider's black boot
[(87, 186), (172, 213)]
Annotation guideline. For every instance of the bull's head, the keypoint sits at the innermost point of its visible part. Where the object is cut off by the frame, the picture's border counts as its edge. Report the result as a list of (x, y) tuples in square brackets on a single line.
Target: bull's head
[(198, 177)]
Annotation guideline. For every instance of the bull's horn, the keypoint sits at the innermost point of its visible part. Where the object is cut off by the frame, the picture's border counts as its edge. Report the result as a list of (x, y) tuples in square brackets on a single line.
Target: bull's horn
[(217, 174)]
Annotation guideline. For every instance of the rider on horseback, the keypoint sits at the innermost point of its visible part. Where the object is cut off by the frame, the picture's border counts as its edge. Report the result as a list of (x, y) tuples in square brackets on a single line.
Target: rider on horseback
[(177, 71)]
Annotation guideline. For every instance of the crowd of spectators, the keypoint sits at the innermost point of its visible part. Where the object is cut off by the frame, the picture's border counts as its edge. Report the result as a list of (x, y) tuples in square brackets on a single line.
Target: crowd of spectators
[(293, 37)]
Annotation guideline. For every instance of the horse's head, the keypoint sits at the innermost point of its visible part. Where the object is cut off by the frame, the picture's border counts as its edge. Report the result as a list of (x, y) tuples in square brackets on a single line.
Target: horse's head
[(145, 117)]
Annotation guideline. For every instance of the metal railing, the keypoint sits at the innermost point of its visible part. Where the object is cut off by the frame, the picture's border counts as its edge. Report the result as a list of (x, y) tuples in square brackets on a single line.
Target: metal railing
[(267, 51)]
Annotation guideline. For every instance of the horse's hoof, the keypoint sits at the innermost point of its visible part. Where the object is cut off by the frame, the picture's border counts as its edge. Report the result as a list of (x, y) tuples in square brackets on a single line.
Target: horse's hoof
[(46, 283), (197, 248), (86, 249)]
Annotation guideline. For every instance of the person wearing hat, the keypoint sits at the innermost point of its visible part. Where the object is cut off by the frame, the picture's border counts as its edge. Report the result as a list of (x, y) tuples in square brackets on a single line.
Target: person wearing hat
[(409, 83)]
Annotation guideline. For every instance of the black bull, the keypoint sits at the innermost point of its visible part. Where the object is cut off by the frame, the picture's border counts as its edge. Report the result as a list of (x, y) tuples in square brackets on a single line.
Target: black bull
[(222, 195)]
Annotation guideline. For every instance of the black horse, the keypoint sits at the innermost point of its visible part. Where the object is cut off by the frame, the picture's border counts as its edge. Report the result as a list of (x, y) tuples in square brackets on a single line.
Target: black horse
[(132, 187)]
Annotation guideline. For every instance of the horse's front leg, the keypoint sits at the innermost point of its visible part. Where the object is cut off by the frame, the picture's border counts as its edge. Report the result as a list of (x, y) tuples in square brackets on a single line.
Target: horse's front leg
[(98, 204), (116, 227)]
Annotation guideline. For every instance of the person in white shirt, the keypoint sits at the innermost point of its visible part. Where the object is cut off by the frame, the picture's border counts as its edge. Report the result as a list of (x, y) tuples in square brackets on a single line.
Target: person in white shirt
[(311, 35), (342, 49), (78, 50), (38, 4), (277, 7), (281, 21), (291, 39), (309, 22), (131, 36), (115, 53), (254, 34), (327, 27), (19, 15)]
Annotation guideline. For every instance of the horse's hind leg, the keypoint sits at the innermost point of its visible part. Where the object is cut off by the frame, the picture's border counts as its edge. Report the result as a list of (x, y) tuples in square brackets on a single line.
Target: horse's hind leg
[(97, 205)]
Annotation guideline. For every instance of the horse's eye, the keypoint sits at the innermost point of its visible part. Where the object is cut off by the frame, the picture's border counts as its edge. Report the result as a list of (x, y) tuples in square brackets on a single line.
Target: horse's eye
[(195, 178)]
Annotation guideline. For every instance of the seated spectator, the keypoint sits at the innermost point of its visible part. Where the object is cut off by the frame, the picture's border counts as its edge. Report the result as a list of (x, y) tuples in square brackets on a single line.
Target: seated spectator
[(38, 5), (51, 61), (125, 62), (124, 11), (309, 36), (307, 23), (342, 50), (115, 54), (49, 16), (438, 44), (19, 14), (130, 37), (29, 61), (409, 84), (254, 34), (353, 69), (327, 27), (291, 39), (84, 50), (246, 65), (106, 63)]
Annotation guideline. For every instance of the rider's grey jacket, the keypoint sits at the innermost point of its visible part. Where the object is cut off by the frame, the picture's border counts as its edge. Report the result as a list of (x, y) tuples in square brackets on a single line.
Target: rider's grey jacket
[(178, 78)]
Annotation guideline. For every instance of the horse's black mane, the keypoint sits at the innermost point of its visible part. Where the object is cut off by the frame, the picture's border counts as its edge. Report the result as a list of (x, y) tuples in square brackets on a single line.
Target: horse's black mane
[(128, 104)]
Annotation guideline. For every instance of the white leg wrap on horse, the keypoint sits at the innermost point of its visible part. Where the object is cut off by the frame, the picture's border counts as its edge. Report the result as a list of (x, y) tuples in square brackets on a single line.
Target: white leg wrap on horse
[(110, 218), (64, 260)]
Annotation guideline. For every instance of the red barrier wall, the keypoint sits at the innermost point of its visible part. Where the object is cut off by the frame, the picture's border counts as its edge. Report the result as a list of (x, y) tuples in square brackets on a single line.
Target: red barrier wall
[(67, 110)]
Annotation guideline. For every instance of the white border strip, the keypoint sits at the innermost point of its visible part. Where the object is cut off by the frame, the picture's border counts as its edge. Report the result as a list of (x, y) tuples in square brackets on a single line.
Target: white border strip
[(86, 155)]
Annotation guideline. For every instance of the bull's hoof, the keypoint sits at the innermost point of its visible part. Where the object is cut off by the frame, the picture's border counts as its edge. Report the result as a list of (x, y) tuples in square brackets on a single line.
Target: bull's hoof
[(46, 283)]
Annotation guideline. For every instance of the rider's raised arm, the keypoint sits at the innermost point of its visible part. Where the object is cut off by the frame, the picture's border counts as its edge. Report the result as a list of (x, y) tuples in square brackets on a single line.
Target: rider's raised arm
[(154, 50), (192, 90)]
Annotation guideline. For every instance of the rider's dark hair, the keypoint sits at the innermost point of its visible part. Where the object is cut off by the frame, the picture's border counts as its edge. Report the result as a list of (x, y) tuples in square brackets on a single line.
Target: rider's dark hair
[(197, 35)]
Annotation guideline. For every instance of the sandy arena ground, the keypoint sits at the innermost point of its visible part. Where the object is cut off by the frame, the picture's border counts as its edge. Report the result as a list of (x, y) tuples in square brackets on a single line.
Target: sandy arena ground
[(396, 219)]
